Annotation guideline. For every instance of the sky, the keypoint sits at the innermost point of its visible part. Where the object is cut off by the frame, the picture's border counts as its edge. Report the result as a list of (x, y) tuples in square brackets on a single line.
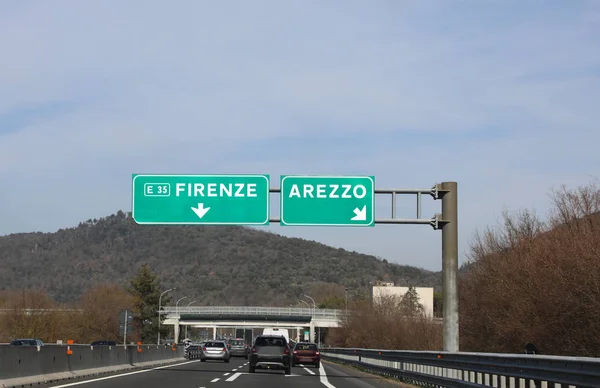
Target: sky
[(499, 96)]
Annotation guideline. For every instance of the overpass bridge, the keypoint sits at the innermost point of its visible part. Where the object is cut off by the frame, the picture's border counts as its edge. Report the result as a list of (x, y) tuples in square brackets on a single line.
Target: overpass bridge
[(250, 317)]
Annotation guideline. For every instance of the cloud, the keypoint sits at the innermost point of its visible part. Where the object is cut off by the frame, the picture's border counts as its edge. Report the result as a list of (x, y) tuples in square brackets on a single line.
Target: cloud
[(500, 96)]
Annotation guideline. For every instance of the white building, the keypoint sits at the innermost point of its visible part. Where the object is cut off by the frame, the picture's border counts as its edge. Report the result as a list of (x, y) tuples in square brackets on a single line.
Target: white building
[(388, 289)]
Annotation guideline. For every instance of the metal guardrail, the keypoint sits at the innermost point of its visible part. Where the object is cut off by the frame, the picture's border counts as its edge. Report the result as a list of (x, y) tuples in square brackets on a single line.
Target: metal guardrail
[(324, 314), (443, 369)]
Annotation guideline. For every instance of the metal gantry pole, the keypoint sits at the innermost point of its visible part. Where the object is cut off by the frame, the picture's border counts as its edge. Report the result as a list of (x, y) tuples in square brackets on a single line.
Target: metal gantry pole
[(447, 221), (448, 192)]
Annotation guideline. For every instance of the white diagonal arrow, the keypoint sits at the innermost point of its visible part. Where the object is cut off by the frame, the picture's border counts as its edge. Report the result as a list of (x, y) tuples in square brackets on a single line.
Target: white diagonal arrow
[(361, 214), (200, 210)]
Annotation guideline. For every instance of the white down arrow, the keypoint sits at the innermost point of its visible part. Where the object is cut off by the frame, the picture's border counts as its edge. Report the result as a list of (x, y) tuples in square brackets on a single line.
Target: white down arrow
[(200, 210)]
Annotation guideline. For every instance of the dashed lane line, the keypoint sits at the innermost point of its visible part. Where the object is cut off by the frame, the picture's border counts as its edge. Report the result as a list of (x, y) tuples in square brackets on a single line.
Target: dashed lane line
[(235, 376), (308, 370)]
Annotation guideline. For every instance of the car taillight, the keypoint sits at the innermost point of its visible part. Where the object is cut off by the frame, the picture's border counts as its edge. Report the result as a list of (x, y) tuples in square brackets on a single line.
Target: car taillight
[(286, 351), (224, 349), (254, 349), (204, 349), (295, 352), (317, 353)]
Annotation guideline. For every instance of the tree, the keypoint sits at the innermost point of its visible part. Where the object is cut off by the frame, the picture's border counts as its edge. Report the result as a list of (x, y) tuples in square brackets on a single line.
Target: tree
[(333, 302), (537, 281), (383, 325), (31, 314), (410, 305), (145, 290), (101, 305)]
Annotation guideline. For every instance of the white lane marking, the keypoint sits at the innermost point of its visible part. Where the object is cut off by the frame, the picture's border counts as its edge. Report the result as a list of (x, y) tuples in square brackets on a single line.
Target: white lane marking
[(226, 374), (233, 370), (235, 376), (214, 380), (308, 370), (123, 374), (323, 377)]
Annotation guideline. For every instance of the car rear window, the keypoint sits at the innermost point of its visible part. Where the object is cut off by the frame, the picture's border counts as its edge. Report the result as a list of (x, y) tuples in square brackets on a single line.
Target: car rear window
[(214, 345), (306, 347), (270, 341)]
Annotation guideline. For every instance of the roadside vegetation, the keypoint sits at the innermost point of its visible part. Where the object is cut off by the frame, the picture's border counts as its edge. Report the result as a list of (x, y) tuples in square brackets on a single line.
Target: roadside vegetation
[(527, 280), (389, 323), (94, 317), (537, 280)]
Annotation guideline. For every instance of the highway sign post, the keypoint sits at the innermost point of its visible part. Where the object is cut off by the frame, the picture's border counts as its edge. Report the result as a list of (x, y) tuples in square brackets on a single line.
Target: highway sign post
[(201, 199), (125, 320), (327, 200), (304, 201)]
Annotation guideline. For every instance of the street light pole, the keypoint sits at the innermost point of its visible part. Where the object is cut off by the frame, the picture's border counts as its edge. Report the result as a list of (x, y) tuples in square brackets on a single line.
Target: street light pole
[(186, 326), (159, 308), (306, 303), (313, 317), (178, 317), (313, 301), (346, 301)]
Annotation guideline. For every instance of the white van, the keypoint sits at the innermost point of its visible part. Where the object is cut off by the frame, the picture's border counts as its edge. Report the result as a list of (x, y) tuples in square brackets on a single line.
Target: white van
[(277, 331)]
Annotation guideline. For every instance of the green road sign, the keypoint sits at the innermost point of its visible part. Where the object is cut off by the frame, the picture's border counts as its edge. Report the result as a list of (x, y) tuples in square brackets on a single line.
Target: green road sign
[(327, 200), (201, 199)]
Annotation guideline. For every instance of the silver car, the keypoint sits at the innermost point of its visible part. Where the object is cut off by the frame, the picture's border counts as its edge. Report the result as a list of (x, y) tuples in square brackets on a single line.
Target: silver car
[(238, 348), (215, 350)]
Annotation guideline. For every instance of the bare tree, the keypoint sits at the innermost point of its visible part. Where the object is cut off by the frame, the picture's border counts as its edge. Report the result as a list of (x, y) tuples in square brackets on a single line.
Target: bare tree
[(101, 306), (535, 281), (385, 325)]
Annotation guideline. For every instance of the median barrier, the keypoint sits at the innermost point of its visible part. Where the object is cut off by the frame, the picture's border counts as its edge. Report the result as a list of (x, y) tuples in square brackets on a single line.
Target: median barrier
[(21, 366)]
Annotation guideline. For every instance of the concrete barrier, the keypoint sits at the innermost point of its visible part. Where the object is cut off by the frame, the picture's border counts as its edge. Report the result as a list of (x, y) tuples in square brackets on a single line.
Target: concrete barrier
[(21, 366)]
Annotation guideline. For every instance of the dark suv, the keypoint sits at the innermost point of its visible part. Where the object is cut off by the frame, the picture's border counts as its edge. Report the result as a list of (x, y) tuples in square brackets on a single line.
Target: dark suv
[(271, 351)]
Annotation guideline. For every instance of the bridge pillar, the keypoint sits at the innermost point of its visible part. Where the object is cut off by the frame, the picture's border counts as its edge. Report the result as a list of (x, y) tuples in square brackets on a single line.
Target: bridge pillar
[(176, 331), (312, 332), (214, 330)]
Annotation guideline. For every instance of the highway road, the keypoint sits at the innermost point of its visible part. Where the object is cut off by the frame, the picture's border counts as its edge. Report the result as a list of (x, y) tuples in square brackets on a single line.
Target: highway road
[(213, 374)]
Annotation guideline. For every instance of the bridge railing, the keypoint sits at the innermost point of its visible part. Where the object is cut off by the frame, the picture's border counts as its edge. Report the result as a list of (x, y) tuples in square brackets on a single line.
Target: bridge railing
[(324, 314), (473, 369)]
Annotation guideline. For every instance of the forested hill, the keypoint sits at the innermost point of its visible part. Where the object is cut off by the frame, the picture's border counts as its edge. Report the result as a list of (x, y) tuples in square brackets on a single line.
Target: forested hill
[(218, 265)]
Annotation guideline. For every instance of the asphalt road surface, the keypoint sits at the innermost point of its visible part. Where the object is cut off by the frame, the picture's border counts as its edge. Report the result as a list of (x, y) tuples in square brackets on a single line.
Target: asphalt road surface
[(217, 374)]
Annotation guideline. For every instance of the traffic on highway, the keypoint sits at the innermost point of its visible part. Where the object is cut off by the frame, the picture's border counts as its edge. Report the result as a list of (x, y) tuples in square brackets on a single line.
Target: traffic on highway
[(215, 373), (289, 194)]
